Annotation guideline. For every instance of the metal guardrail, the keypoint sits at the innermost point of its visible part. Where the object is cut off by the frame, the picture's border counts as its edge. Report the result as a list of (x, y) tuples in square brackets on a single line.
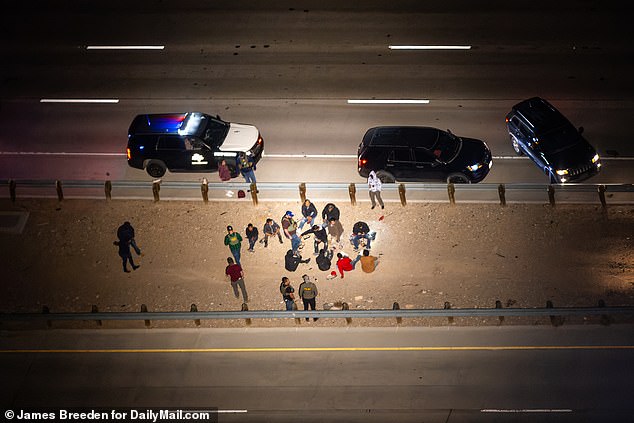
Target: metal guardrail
[(448, 192), (281, 314)]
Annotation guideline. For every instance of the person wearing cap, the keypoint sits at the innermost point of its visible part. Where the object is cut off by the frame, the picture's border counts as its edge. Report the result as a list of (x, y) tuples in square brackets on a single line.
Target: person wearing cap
[(290, 230), (308, 294), (233, 240)]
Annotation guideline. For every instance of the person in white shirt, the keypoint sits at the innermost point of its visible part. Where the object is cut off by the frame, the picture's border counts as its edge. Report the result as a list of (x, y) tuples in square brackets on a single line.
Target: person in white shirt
[(374, 185)]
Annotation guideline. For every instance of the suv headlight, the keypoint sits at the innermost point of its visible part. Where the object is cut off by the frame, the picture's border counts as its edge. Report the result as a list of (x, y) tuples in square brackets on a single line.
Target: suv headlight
[(562, 172), (595, 158), (475, 167)]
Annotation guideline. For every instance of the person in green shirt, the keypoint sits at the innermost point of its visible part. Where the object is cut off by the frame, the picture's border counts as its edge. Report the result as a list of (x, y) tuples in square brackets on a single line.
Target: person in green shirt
[(234, 241)]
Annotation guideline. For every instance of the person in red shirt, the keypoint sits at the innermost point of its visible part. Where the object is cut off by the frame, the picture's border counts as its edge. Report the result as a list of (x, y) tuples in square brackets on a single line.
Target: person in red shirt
[(236, 275), (345, 264)]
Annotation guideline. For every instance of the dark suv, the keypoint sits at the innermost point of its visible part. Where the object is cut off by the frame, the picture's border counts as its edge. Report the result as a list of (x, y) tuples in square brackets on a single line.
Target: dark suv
[(412, 153), (189, 142), (541, 132)]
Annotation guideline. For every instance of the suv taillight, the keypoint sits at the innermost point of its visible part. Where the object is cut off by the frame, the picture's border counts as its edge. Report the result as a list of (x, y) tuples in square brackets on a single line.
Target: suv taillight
[(128, 152), (363, 162)]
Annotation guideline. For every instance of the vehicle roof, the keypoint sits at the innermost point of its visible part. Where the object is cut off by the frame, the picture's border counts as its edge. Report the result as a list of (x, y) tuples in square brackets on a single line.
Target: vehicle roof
[(540, 114), (397, 135), (166, 123)]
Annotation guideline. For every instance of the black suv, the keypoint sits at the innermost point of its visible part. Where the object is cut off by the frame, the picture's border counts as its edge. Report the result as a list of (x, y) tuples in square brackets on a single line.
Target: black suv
[(412, 153), (189, 142), (541, 132)]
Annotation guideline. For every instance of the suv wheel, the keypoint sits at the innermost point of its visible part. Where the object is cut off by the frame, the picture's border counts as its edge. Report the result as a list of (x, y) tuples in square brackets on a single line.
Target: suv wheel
[(458, 178), (516, 146), (385, 177), (155, 168)]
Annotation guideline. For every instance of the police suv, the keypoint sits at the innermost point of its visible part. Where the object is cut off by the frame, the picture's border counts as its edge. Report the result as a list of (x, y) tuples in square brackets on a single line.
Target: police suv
[(189, 142)]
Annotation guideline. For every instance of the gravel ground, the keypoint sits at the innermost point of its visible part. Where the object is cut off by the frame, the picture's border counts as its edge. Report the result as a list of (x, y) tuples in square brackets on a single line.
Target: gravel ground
[(469, 255)]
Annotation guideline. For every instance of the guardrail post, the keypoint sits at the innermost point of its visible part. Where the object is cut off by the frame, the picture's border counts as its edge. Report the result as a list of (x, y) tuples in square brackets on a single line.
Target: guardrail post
[(554, 320), (502, 193), (451, 190), (395, 306), (95, 310), (245, 307), (45, 310), (551, 195), (298, 321), (606, 319), (156, 187), (107, 187), (401, 194), (60, 192), (12, 190), (254, 193), (498, 304), (352, 190), (601, 190), (302, 192), (448, 307), (346, 307), (144, 310), (204, 190), (194, 309)]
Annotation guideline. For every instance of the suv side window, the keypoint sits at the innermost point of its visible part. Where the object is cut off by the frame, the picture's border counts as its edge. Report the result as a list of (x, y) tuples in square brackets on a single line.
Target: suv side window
[(167, 142), (515, 121), (399, 155), (526, 133), (422, 155)]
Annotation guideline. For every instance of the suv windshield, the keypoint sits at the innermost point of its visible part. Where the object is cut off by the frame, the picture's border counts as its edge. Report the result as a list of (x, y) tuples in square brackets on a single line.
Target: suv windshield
[(446, 147), (215, 132), (211, 130), (559, 139)]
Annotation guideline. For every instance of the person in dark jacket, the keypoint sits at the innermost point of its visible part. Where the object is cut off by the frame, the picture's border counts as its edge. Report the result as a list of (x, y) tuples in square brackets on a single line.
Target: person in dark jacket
[(126, 255), (330, 211), (252, 235), (125, 233), (361, 230), (321, 236), (324, 259), (291, 261), (288, 293), (309, 213)]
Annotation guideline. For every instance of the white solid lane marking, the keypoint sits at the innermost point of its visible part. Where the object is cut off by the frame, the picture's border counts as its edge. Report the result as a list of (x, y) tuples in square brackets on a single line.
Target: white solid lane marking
[(395, 101), (80, 100), (51, 153), (422, 47), (125, 47), (528, 410)]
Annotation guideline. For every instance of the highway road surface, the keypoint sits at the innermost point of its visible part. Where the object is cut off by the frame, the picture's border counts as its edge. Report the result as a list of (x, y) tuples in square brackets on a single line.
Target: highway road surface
[(291, 70), (445, 374)]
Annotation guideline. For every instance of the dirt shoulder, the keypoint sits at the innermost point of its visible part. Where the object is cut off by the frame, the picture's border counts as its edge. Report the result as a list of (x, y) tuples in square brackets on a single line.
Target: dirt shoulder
[(469, 255)]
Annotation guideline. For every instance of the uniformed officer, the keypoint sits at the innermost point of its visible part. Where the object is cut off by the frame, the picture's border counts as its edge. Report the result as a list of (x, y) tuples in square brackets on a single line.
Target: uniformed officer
[(308, 293)]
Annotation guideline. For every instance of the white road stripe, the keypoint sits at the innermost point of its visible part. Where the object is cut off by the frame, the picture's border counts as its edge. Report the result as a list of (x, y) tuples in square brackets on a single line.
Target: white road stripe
[(529, 410), (53, 153), (125, 47), (80, 100), (419, 47), (395, 101)]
